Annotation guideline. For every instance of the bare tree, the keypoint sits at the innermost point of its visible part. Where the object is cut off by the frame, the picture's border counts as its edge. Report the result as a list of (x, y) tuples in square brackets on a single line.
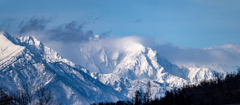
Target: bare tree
[(148, 93), (29, 96), (44, 96), (138, 97), (5, 98), (24, 95)]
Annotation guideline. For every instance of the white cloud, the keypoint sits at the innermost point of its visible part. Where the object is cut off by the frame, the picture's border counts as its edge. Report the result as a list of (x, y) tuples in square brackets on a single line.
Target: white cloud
[(228, 54)]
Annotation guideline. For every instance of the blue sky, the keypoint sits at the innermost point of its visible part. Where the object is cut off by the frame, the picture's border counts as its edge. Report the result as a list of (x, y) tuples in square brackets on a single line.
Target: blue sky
[(187, 23)]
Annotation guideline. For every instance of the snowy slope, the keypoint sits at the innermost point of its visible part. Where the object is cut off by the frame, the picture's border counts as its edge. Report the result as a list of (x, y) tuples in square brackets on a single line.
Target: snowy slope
[(25, 60)]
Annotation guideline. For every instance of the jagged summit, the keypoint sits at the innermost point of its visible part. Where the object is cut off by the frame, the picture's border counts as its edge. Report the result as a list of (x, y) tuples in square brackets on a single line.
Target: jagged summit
[(132, 61), (126, 64)]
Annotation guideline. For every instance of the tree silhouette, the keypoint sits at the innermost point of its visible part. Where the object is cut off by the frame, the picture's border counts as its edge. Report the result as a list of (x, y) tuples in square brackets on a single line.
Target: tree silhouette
[(27, 96), (44, 96), (148, 93), (5, 98)]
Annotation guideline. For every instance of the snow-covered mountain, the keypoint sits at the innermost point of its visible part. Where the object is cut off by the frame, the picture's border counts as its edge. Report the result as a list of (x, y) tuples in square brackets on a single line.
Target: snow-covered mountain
[(26, 60), (132, 61), (127, 66), (107, 72)]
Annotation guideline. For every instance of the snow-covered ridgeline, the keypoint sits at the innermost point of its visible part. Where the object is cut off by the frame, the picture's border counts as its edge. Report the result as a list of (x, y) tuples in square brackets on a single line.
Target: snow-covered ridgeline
[(32, 62)]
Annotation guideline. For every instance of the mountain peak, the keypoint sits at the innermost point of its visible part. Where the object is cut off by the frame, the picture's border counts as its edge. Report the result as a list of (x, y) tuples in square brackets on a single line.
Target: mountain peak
[(30, 40)]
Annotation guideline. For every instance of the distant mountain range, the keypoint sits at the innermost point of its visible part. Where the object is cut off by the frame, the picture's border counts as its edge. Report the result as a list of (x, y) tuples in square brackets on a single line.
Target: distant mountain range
[(101, 74)]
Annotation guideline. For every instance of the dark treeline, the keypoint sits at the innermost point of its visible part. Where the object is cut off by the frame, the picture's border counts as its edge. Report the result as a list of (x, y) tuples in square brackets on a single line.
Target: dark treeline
[(218, 91), (27, 96)]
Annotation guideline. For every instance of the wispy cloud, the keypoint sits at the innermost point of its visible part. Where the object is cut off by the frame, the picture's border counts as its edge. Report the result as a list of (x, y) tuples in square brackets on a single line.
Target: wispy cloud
[(34, 24), (68, 32), (228, 54)]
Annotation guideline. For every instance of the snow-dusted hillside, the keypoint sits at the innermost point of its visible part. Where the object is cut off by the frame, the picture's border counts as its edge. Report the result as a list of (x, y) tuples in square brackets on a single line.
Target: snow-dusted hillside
[(24, 60)]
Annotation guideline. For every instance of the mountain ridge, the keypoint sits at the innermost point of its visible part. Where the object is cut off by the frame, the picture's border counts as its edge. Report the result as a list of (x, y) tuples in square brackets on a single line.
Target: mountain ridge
[(37, 63)]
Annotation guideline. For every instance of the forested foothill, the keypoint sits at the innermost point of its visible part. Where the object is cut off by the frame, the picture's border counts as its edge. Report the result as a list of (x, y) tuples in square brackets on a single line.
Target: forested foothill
[(217, 91), (27, 96)]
